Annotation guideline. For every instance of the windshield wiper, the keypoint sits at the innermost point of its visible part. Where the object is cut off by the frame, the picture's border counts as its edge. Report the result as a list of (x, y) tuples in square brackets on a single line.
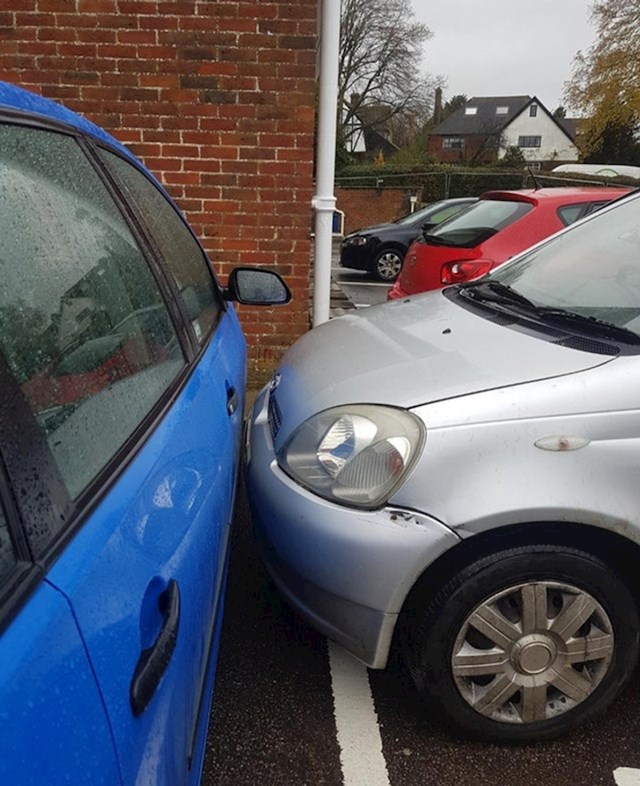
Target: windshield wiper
[(495, 292), (591, 325)]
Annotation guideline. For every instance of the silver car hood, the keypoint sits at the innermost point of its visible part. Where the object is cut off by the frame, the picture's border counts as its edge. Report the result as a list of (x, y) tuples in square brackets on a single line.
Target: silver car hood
[(410, 353)]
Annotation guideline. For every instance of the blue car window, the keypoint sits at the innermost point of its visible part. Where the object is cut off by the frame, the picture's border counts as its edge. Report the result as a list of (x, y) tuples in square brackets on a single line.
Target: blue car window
[(8, 559), (181, 252), (83, 325)]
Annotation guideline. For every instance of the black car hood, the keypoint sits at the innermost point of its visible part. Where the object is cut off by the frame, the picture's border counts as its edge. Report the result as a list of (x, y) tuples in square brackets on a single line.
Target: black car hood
[(375, 230)]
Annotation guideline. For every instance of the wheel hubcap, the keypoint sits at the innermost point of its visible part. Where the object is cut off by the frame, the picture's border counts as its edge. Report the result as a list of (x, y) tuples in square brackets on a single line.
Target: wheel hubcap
[(532, 652), (389, 265)]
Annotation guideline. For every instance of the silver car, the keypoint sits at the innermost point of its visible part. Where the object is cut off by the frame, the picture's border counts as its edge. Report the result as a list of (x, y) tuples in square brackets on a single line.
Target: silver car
[(459, 473)]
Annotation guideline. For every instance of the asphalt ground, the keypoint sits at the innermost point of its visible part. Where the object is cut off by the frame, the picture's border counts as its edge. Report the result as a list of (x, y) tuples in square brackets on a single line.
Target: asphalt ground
[(274, 717), (359, 287)]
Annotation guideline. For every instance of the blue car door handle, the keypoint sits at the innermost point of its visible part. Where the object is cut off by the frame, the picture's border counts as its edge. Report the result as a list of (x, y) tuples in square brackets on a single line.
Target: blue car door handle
[(232, 400), (154, 660)]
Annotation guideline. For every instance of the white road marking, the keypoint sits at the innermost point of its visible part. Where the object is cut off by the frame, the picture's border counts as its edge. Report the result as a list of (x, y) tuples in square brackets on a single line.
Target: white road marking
[(362, 284), (359, 738), (626, 776)]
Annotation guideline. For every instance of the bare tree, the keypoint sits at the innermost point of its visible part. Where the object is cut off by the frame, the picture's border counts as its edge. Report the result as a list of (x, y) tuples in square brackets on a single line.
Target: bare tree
[(380, 53)]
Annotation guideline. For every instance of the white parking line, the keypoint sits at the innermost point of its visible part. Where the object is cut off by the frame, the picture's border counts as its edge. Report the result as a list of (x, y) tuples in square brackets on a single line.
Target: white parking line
[(359, 739), (362, 284), (626, 776)]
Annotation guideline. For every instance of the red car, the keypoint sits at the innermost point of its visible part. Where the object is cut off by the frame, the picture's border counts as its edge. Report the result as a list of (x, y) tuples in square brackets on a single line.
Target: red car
[(498, 226)]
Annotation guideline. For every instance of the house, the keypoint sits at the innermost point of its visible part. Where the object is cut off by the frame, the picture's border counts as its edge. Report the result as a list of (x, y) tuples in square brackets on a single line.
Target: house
[(485, 127), (369, 129)]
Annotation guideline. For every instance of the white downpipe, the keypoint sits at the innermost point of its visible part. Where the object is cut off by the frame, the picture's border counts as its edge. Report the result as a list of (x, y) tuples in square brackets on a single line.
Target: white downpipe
[(324, 201)]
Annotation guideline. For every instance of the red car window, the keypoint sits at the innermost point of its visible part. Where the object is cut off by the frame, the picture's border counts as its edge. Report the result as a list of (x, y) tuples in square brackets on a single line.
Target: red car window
[(478, 223)]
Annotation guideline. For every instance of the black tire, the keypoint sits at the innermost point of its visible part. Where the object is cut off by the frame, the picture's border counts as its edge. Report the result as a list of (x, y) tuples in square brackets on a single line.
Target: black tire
[(387, 264), (434, 626)]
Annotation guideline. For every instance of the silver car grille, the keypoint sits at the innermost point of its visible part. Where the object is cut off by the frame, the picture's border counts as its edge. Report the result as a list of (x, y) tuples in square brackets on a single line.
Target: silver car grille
[(275, 416)]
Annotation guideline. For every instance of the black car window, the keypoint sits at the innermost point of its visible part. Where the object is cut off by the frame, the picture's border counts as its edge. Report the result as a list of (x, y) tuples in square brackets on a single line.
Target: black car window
[(570, 213), (445, 213), (180, 250), (83, 326)]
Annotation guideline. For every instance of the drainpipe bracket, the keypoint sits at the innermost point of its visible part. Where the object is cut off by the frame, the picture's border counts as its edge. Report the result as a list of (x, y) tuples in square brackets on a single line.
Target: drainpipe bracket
[(324, 204)]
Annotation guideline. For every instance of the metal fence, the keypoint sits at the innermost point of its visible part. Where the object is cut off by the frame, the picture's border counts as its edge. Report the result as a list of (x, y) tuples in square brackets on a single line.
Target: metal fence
[(429, 186)]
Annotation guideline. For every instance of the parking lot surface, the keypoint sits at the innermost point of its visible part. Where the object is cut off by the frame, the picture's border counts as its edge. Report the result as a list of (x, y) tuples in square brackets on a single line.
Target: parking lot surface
[(291, 710)]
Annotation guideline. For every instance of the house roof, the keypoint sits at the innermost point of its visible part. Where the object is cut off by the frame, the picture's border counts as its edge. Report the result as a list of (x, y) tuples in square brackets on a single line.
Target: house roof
[(485, 120), (571, 125)]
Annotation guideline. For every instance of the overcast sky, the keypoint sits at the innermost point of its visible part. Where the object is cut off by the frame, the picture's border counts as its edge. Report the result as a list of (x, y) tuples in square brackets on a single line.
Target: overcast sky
[(504, 47)]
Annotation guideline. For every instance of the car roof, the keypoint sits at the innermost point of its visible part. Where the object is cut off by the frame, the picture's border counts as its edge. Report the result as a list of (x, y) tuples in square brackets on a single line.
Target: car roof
[(563, 195), (16, 100)]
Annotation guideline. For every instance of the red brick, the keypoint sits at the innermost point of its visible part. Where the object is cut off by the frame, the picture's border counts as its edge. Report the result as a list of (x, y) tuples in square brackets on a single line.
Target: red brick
[(153, 52), (137, 7), (153, 22), (98, 36), (159, 80), (137, 36), (177, 7), (97, 6), (23, 5)]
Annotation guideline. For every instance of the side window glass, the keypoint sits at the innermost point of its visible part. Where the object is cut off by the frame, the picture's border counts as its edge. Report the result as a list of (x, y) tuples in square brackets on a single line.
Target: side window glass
[(594, 207), (8, 559), (444, 214), (181, 252), (83, 325), (570, 213)]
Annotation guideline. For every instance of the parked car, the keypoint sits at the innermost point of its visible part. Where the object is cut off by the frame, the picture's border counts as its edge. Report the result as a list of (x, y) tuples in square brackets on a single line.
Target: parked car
[(461, 479), (498, 226), (122, 370), (380, 249)]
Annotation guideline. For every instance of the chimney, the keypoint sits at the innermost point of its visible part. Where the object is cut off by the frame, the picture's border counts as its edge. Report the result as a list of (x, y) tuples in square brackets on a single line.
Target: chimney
[(437, 107), (355, 100)]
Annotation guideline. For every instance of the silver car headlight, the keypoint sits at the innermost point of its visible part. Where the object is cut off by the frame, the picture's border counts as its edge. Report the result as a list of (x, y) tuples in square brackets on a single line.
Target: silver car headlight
[(354, 455)]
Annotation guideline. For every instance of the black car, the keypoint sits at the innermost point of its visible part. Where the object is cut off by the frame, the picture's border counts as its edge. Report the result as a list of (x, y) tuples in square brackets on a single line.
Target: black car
[(380, 249)]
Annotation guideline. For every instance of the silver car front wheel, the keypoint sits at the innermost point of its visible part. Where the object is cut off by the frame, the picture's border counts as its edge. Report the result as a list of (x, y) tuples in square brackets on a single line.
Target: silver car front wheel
[(532, 652), (524, 644)]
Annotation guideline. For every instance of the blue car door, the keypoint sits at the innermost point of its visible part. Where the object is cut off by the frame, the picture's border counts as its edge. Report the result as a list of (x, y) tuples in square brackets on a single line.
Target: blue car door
[(130, 370), (53, 728)]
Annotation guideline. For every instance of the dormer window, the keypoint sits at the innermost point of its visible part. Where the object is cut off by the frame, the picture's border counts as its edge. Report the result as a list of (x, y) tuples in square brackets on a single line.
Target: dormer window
[(533, 110), (502, 110), (471, 110)]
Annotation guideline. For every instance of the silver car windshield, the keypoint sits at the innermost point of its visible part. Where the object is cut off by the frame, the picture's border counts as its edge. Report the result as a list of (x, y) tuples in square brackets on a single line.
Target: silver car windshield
[(592, 270)]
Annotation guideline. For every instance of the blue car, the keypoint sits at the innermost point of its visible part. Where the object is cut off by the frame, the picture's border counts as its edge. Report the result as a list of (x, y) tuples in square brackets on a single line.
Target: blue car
[(122, 374)]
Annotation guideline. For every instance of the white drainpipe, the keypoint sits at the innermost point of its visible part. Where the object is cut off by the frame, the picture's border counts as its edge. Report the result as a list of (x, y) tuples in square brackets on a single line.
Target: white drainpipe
[(324, 201)]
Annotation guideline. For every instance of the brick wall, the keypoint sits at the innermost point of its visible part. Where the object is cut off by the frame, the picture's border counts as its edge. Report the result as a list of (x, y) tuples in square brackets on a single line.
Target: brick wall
[(366, 206), (216, 97)]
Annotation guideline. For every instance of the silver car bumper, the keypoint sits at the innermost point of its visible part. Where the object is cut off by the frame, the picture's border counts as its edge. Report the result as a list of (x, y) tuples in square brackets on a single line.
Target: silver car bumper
[(347, 571)]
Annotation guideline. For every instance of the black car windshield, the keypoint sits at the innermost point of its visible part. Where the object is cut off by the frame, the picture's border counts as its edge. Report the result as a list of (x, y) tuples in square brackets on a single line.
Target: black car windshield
[(478, 223), (592, 270), (434, 213)]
